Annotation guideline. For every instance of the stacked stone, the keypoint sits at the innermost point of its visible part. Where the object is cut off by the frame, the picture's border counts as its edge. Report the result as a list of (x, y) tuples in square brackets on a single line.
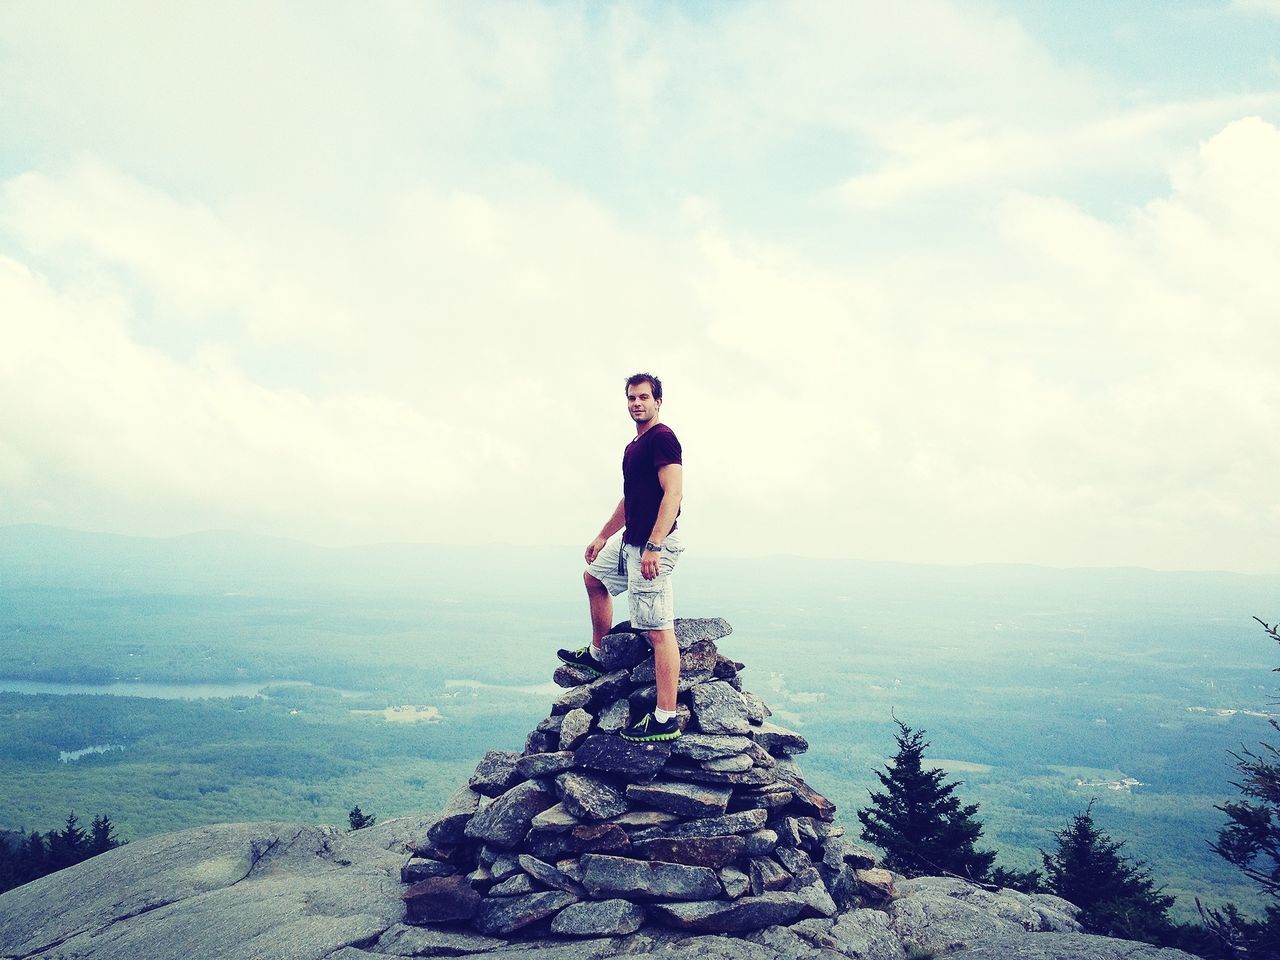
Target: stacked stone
[(587, 834)]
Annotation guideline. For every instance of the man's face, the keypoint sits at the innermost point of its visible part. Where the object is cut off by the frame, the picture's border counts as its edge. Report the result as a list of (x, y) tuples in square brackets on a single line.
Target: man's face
[(640, 402)]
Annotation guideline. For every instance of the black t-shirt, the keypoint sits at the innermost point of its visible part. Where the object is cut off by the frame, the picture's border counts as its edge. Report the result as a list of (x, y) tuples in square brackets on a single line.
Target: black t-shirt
[(654, 448)]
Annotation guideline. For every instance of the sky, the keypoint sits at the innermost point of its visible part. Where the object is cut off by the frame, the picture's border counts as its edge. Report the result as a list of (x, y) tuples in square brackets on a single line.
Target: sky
[(948, 281)]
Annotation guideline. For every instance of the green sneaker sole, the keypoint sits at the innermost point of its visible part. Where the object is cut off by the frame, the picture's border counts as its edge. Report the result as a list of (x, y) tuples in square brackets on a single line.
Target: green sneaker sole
[(651, 739)]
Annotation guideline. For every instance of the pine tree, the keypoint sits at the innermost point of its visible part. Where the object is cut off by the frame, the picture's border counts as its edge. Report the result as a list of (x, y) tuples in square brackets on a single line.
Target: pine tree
[(69, 845), (360, 820), (1251, 841), (918, 821), (103, 836), (1117, 896)]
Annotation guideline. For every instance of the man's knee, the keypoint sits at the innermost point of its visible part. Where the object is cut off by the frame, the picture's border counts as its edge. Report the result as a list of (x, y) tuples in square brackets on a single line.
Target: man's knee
[(593, 583), (662, 638)]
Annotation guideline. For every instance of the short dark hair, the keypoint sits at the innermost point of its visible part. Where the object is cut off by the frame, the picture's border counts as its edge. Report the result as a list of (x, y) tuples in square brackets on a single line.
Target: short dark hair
[(636, 379)]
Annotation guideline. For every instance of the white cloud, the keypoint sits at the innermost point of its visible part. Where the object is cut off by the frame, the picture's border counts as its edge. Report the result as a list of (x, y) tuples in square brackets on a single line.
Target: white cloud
[(314, 298)]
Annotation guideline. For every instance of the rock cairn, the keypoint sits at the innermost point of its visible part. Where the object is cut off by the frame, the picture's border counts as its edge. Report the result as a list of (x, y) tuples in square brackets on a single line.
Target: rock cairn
[(585, 834)]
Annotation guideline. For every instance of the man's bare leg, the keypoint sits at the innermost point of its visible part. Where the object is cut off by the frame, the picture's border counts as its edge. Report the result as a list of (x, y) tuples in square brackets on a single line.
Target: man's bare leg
[(666, 666), (601, 609)]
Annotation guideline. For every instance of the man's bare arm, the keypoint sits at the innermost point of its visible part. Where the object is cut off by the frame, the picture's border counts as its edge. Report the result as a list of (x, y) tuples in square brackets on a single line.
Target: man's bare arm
[(616, 521), (671, 478)]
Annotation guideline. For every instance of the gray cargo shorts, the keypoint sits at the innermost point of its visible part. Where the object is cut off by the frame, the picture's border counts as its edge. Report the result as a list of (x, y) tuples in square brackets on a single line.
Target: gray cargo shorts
[(652, 602)]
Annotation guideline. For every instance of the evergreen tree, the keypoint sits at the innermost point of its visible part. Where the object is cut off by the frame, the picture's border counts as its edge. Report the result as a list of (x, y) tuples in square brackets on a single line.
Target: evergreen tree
[(359, 820), (918, 821), (103, 837), (69, 845), (1117, 896), (1251, 841)]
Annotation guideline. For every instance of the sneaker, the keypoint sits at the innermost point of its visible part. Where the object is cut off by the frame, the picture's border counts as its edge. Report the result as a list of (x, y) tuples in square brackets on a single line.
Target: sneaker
[(648, 730), (582, 659)]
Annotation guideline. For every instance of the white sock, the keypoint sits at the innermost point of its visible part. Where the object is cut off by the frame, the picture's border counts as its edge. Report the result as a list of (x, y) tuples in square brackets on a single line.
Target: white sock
[(596, 650), (662, 716)]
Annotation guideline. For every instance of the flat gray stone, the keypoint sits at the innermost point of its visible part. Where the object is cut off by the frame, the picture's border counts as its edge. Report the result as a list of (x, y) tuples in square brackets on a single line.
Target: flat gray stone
[(515, 886), (614, 717), (440, 899), (719, 709), (713, 852), (698, 660), (683, 799), (760, 843), (752, 777), (496, 773), (767, 874), (622, 649), (757, 710), (730, 916), (608, 688), (606, 877), (817, 898), (742, 822), (779, 741), (590, 798), (602, 918), (458, 810), (838, 851), (505, 821), (693, 630), (707, 746), (554, 819), (544, 764), (567, 676), (570, 699), (609, 754), (574, 729), (735, 882), (737, 764), (421, 868), (499, 916), (550, 876)]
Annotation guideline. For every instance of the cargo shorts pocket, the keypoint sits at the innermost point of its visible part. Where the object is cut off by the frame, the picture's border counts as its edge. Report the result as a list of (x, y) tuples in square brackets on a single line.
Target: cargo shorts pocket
[(650, 604)]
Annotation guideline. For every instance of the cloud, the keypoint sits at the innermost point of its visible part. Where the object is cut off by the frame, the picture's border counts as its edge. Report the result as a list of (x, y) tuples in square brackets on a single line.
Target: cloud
[(312, 298)]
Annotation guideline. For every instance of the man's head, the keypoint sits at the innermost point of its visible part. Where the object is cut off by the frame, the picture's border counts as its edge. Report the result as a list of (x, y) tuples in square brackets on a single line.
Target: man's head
[(644, 398), (655, 385)]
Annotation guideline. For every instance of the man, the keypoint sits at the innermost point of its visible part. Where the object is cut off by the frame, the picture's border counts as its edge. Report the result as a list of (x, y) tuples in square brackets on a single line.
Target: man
[(652, 486)]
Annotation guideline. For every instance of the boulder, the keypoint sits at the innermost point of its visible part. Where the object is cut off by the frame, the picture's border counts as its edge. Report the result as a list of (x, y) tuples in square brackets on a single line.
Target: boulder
[(601, 918), (719, 709), (499, 916), (440, 900), (496, 773), (779, 741), (576, 725), (683, 799), (549, 876), (732, 916), (695, 851), (606, 877), (590, 798), (544, 764), (421, 868), (743, 822), (458, 811), (608, 754), (615, 716), (505, 821), (706, 746)]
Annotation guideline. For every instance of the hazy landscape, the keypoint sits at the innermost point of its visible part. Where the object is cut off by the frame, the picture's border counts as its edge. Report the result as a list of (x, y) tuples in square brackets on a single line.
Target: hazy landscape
[(210, 678)]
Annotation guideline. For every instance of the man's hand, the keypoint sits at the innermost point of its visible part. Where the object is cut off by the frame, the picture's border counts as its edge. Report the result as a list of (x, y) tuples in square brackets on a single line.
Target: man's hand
[(649, 564), (594, 548)]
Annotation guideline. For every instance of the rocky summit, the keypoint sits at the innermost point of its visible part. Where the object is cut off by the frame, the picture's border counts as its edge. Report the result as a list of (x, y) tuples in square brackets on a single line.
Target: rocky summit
[(586, 834), (581, 847)]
